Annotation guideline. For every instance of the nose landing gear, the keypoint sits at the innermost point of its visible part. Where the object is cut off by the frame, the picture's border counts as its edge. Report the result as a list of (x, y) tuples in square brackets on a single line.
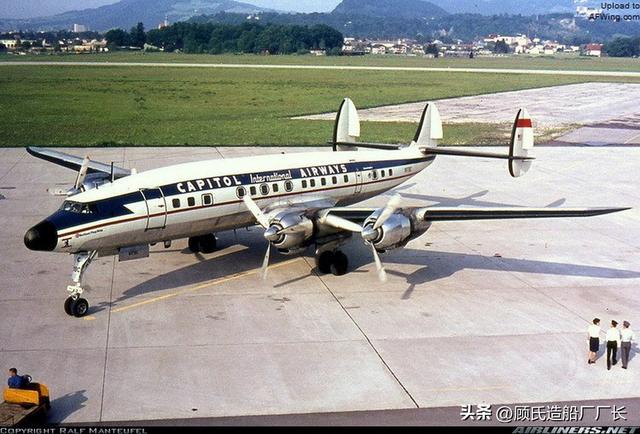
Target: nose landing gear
[(75, 305)]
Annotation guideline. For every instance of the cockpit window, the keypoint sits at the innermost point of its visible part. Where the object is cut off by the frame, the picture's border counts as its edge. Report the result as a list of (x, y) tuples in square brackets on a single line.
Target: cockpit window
[(77, 207)]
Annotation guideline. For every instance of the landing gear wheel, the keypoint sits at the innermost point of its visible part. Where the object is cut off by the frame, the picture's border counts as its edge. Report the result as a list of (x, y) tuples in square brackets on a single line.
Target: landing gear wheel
[(194, 244), (339, 264), (67, 306), (207, 243), (323, 262), (80, 307)]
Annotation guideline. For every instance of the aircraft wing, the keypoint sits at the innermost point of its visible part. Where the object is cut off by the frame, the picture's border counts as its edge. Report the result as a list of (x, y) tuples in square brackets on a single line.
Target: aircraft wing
[(75, 163), (432, 214)]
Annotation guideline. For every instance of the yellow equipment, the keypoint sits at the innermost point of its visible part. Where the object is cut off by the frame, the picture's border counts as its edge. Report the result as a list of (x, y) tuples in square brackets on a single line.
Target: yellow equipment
[(34, 394)]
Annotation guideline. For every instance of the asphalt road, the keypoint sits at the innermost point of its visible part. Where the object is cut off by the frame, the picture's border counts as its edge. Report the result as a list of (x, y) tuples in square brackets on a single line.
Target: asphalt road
[(339, 67)]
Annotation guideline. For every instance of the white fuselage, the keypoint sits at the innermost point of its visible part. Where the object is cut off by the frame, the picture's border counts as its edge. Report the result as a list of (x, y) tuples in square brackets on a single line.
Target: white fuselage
[(206, 197)]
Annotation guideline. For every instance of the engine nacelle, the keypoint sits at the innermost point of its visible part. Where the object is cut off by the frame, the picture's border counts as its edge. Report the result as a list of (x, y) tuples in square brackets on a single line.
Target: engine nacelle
[(301, 231), (396, 232)]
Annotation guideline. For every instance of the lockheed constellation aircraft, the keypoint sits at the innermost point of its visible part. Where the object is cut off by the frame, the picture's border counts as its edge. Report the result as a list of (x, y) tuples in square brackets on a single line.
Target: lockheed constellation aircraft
[(300, 200)]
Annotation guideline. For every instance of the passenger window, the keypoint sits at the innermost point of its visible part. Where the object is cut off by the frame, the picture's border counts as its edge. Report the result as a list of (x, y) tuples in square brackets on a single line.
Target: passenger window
[(390, 172), (334, 179), (382, 173), (207, 199), (288, 185), (323, 181), (241, 192), (176, 203), (312, 182), (264, 189), (304, 183), (252, 189), (275, 188), (191, 201), (374, 174), (346, 178)]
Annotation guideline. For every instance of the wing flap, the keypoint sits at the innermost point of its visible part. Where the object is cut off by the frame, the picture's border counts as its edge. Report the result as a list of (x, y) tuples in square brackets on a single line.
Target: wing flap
[(75, 163)]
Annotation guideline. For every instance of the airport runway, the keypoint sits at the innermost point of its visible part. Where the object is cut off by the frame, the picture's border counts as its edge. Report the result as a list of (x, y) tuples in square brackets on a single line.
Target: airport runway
[(473, 313), (583, 73)]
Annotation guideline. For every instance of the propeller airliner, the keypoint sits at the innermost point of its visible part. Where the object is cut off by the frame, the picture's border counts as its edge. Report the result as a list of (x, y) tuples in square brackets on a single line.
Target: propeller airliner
[(300, 200)]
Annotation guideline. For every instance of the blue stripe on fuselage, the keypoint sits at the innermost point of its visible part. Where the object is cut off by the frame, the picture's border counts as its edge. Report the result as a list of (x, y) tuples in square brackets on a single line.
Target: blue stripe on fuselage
[(116, 206)]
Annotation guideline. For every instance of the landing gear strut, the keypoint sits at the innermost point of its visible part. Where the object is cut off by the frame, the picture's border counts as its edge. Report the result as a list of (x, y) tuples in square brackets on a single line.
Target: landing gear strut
[(203, 243), (75, 305), (332, 261)]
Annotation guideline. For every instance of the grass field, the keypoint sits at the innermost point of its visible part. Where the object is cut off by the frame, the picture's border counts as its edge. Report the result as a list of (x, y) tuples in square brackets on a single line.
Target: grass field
[(97, 106)]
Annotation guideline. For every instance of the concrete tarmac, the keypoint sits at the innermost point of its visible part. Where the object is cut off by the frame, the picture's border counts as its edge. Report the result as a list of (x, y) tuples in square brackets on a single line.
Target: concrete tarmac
[(478, 312)]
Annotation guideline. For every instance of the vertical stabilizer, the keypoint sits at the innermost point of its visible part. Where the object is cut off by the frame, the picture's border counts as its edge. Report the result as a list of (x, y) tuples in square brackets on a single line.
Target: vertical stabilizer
[(521, 143), (347, 126), (430, 128)]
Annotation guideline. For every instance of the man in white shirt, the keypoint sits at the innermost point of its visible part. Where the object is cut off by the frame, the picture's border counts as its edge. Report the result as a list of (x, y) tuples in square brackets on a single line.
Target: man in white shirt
[(613, 342), (626, 336), (594, 340)]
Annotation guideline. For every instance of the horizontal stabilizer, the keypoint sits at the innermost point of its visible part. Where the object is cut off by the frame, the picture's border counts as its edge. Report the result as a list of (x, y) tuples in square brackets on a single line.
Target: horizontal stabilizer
[(463, 153), (445, 214), (371, 145), (77, 163)]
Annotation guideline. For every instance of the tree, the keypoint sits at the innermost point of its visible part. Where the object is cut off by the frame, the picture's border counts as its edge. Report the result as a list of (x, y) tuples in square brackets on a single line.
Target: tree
[(623, 47), (117, 38), (501, 47), (137, 36), (432, 49)]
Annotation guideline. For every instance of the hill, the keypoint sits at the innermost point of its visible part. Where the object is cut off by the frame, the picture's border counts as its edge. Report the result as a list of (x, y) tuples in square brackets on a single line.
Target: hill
[(127, 13), (389, 8), (512, 7)]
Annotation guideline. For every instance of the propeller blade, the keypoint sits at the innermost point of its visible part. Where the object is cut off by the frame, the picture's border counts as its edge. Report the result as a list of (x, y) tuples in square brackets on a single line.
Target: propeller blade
[(341, 223), (388, 210), (265, 262), (82, 173), (382, 275), (256, 211)]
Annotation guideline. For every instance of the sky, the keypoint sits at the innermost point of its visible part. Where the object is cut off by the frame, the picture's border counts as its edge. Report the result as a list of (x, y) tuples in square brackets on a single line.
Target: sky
[(36, 8)]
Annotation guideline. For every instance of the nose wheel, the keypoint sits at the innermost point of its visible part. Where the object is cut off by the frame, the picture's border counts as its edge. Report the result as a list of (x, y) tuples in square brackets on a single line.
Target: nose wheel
[(77, 307)]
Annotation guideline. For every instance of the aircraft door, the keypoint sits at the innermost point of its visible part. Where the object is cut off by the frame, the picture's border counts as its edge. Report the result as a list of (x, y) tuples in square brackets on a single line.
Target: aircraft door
[(156, 205), (358, 181)]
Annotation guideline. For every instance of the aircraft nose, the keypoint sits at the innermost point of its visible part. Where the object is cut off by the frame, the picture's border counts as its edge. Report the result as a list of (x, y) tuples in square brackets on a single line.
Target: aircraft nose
[(43, 237)]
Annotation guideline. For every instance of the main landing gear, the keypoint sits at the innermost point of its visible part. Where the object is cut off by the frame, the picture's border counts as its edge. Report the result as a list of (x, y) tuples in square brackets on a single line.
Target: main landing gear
[(75, 305), (331, 261), (203, 243)]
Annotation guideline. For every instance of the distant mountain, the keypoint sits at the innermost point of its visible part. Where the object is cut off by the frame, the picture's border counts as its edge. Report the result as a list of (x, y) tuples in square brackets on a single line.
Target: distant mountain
[(513, 7), (389, 8), (128, 13)]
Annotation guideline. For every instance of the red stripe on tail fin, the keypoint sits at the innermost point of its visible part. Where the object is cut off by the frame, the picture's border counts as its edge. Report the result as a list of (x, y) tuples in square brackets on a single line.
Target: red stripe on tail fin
[(524, 123)]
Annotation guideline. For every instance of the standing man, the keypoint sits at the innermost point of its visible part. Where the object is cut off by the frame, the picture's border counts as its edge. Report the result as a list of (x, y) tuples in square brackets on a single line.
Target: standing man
[(626, 336), (613, 342), (594, 340)]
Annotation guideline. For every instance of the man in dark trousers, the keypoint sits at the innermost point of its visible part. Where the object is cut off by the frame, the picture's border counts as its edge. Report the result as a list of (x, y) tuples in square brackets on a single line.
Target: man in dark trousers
[(626, 336), (613, 342), (15, 381)]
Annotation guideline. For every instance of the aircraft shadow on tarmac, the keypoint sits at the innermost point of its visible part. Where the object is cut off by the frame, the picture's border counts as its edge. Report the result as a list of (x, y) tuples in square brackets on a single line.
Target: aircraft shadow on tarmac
[(435, 265), (242, 252), (66, 405)]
